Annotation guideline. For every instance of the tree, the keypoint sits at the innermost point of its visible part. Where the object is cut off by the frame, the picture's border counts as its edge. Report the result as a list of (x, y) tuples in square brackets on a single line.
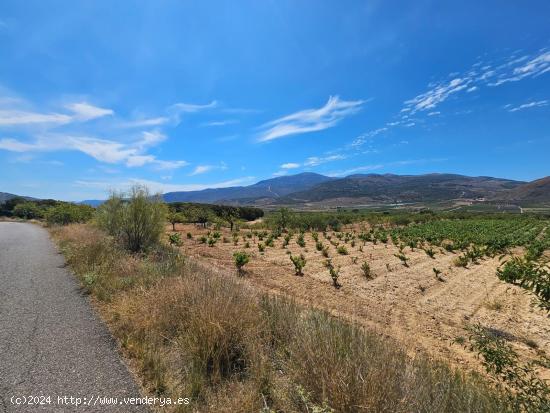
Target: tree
[(283, 217), (230, 215), (174, 218), (27, 210)]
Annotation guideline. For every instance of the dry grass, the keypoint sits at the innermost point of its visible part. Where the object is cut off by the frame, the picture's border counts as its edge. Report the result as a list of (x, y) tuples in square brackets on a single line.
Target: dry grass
[(196, 333)]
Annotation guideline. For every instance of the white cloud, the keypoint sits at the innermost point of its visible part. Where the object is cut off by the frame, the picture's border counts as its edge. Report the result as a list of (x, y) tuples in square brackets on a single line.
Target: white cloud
[(201, 169), (471, 89), (315, 160), (84, 111), (159, 187), (436, 95), (310, 120), (534, 104), (359, 169), (290, 165), (139, 123), (220, 122), (18, 117), (103, 150), (192, 108)]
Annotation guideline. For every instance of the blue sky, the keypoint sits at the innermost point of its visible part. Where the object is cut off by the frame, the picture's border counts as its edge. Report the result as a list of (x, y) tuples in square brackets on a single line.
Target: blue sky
[(98, 95)]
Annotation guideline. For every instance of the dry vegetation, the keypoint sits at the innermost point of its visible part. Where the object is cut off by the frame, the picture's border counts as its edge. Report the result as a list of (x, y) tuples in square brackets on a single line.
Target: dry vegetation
[(192, 330), (424, 302)]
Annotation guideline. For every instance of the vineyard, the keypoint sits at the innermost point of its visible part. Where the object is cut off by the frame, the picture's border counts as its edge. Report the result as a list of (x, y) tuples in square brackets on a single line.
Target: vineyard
[(495, 234)]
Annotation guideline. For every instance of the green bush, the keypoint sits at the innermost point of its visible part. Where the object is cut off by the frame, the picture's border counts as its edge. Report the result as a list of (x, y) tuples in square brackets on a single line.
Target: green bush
[(299, 262), (137, 221), (28, 210), (240, 258), (67, 213)]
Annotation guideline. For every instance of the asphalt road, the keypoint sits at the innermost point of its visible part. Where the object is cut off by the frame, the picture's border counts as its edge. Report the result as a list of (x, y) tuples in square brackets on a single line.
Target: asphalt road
[(51, 341)]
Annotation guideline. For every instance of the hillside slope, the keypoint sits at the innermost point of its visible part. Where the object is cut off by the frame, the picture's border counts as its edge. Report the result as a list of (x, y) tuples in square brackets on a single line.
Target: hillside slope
[(405, 188), (537, 191), (267, 189)]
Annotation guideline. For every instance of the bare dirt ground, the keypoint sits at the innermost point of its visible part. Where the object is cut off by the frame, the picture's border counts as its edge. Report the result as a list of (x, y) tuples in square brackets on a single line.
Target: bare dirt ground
[(407, 303)]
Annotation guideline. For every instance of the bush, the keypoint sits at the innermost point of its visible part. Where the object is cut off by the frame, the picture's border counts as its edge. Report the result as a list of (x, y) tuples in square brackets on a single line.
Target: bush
[(138, 222), (28, 210), (300, 240), (342, 250), (529, 275), (365, 267), (299, 263), (66, 213), (334, 273), (175, 239), (240, 258)]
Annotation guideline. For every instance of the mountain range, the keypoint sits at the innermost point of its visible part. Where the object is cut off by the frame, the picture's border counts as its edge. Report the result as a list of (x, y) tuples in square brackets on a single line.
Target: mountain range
[(312, 188)]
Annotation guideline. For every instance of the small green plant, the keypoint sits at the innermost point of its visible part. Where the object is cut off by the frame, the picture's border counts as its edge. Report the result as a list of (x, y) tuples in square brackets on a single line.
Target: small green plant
[(301, 240), (324, 251), (286, 240), (430, 252), (461, 261), (315, 236), (211, 242), (203, 239), (175, 239), (189, 235), (299, 262), (334, 273), (247, 244), (342, 250), (240, 258), (319, 246), (269, 242), (261, 247), (354, 260), (365, 267), (403, 258)]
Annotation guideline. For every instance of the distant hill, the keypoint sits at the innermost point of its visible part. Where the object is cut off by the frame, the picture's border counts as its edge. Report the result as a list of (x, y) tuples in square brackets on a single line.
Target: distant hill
[(404, 188), (6, 196), (537, 191), (261, 192), (92, 202)]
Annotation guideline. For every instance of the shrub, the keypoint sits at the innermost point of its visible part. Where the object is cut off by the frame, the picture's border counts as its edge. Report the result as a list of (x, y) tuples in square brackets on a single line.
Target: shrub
[(365, 267), (138, 221), (66, 213), (430, 252), (342, 250), (28, 210), (437, 274), (334, 273), (261, 247), (529, 275), (175, 239), (319, 246), (211, 241), (461, 261), (300, 240), (324, 251), (299, 263), (240, 258), (403, 258), (189, 235)]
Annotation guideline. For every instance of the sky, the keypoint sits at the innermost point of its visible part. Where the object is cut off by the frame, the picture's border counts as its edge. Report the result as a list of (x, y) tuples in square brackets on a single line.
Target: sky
[(180, 95)]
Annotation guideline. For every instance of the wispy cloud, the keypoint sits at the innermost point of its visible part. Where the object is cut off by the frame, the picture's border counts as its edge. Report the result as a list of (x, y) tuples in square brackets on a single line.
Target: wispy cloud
[(81, 112), (290, 165), (534, 104), (103, 150), (220, 122), (310, 120), (201, 169), (159, 187), (436, 95), (192, 107)]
